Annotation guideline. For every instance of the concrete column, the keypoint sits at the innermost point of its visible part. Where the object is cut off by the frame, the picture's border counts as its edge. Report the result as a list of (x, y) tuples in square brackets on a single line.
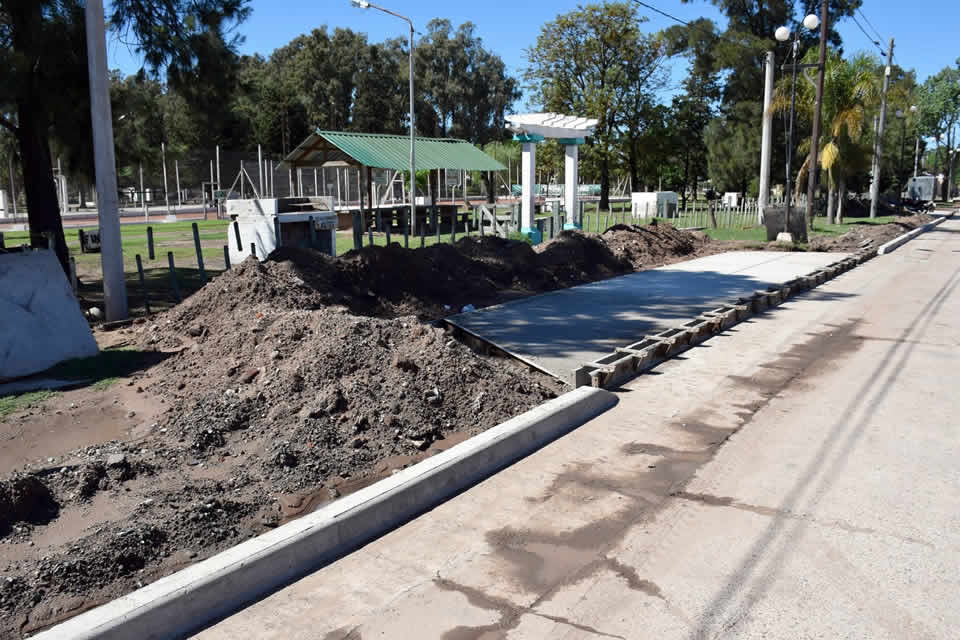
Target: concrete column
[(766, 146), (571, 161), (528, 173)]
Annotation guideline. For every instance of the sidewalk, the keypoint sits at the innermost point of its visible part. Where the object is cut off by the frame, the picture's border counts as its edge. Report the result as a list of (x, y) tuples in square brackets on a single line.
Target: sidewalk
[(794, 477)]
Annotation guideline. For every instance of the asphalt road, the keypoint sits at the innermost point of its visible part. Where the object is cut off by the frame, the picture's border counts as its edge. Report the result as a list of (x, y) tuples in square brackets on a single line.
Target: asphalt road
[(796, 477)]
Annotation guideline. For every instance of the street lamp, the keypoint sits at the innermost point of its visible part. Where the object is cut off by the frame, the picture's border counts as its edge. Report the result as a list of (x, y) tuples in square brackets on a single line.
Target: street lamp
[(782, 34), (411, 222)]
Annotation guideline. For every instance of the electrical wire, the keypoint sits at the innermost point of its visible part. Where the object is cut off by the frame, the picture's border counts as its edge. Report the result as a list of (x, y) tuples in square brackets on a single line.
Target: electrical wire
[(869, 24), (687, 24), (869, 37)]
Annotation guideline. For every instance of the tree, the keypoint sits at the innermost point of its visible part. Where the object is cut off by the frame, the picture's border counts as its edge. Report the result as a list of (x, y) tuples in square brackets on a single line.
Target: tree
[(44, 91), (851, 88), (939, 103), (594, 62), (464, 88)]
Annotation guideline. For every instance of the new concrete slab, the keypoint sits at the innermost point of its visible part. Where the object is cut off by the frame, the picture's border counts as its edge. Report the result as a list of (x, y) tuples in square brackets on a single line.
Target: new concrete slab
[(558, 331)]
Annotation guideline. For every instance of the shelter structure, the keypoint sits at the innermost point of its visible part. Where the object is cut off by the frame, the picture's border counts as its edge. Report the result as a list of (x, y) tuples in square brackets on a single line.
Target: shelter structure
[(570, 131), (384, 151)]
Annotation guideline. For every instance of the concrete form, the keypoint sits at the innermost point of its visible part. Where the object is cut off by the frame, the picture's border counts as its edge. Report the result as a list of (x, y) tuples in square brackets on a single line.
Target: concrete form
[(558, 332)]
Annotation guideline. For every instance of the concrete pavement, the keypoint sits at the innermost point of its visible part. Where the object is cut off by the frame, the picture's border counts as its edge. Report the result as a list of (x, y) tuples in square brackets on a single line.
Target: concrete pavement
[(795, 477), (561, 330)]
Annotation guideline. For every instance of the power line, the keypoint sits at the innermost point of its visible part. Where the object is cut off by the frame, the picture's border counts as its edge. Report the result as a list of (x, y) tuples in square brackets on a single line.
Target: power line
[(873, 28), (869, 37), (687, 24)]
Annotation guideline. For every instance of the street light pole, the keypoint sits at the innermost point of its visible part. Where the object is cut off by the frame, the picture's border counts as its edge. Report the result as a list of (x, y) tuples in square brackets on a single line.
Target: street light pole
[(411, 221), (793, 106), (815, 135), (783, 34)]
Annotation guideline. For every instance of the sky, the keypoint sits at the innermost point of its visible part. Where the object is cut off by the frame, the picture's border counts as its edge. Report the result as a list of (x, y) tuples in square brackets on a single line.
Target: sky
[(925, 38)]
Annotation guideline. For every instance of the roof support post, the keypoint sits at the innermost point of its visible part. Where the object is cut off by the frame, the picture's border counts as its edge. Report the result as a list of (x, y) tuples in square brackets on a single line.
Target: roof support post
[(528, 172), (571, 159)]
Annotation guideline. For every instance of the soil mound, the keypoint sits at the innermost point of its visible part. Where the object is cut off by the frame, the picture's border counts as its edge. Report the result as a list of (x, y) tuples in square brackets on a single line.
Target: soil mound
[(288, 383), (866, 235), (652, 245)]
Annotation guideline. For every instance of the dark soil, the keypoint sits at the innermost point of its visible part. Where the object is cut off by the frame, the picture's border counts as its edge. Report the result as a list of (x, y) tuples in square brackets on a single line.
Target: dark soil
[(286, 384), (866, 235)]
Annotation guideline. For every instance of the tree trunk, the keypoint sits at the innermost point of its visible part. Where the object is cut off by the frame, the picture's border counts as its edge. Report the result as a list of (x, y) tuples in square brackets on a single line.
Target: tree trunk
[(491, 186), (604, 183), (38, 183), (711, 205), (841, 197), (830, 203)]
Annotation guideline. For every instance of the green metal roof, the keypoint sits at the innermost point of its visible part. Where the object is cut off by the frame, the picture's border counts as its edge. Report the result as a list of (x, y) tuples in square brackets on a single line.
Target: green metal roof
[(384, 151)]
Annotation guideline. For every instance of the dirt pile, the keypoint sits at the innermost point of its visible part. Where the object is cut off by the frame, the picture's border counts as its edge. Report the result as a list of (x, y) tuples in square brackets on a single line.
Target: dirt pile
[(285, 384), (393, 281), (653, 245), (866, 235)]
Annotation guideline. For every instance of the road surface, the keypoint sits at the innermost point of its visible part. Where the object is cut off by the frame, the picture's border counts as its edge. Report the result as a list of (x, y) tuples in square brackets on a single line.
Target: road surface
[(795, 477)]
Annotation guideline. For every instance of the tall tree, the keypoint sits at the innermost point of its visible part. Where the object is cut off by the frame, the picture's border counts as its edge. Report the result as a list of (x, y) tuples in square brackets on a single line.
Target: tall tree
[(44, 85), (939, 100), (464, 88), (595, 62)]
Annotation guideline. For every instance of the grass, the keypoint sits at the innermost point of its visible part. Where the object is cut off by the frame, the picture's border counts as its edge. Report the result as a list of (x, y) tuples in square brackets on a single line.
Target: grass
[(98, 372), (167, 236), (12, 404)]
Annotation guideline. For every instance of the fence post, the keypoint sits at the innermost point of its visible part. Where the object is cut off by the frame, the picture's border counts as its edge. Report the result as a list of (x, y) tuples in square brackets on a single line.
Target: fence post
[(196, 244), (226, 256), (150, 253), (143, 284), (173, 277), (236, 232), (436, 221), (253, 249)]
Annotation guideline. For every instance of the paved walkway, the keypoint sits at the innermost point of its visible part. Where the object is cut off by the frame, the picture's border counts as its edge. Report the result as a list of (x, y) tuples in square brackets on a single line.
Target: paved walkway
[(559, 331), (795, 477)]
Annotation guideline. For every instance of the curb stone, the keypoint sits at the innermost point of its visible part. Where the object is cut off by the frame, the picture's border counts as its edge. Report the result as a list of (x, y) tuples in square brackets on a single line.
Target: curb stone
[(612, 370), (195, 597)]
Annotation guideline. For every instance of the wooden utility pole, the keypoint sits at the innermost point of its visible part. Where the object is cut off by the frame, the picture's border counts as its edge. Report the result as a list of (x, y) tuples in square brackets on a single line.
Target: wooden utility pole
[(111, 251), (815, 146), (878, 145)]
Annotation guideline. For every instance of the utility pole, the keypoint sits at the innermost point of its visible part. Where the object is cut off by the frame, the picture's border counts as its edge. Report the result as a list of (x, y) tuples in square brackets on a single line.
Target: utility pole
[(766, 146), (111, 252), (815, 146), (878, 146)]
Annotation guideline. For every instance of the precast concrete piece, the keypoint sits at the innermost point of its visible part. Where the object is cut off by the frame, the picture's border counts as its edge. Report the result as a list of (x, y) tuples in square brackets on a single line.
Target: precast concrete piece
[(189, 600), (910, 235), (41, 323), (558, 331), (612, 370)]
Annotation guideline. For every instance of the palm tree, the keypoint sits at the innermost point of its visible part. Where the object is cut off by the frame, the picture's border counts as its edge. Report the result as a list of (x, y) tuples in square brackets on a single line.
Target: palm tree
[(850, 88)]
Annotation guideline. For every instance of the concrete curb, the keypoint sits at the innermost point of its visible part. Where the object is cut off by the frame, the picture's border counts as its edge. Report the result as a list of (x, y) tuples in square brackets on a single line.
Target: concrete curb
[(199, 595), (910, 235), (628, 362)]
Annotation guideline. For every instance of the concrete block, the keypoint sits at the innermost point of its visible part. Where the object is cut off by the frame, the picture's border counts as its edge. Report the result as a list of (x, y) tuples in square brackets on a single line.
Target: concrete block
[(42, 323)]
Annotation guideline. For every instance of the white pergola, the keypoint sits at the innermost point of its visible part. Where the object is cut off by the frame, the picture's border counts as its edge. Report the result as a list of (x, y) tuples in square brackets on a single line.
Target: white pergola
[(570, 131)]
